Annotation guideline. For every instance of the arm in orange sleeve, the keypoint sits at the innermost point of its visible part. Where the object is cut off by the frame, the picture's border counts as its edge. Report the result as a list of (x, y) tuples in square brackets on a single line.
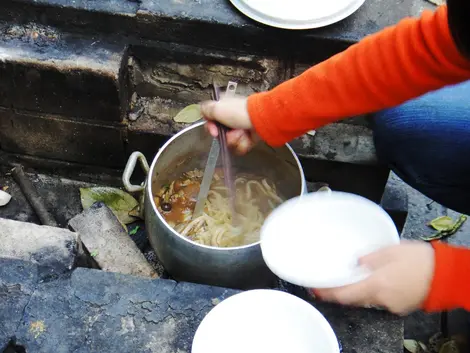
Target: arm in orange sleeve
[(450, 288), (382, 70)]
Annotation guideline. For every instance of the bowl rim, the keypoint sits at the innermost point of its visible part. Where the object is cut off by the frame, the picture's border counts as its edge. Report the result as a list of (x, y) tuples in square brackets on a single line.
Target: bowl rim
[(149, 194), (282, 296)]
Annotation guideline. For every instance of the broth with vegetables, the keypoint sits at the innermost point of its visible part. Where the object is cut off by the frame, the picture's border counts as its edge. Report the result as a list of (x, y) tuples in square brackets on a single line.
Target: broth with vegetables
[(255, 198)]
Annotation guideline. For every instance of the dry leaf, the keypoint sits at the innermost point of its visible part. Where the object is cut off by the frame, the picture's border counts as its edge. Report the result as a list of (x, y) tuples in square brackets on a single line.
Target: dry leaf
[(442, 223), (414, 346), (120, 202), (4, 198), (435, 342), (189, 115), (449, 347)]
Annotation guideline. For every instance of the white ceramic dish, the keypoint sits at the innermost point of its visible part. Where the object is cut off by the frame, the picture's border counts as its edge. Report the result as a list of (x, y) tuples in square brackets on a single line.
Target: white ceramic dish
[(297, 14), (264, 321), (316, 241)]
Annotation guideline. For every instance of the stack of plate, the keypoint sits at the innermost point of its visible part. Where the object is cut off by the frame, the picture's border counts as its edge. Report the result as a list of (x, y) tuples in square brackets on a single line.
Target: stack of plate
[(297, 14)]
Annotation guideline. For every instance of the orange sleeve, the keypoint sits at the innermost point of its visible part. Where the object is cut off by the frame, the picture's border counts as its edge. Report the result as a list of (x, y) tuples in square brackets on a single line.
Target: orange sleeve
[(450, 288), (382, 70)]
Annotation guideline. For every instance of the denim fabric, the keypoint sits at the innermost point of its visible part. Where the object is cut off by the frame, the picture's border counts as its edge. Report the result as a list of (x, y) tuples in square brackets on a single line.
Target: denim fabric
[(426, 141)]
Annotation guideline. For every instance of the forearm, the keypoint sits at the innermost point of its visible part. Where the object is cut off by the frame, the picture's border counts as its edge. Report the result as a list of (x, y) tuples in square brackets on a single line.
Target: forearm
[(383, 70), (450, 288)]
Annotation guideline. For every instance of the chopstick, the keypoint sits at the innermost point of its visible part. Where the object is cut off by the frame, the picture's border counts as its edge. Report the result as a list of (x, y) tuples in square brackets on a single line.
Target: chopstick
[(225, 156)]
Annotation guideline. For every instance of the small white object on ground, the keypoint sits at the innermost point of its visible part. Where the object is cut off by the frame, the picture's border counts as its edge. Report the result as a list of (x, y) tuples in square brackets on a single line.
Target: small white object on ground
[(316, 241), (4, 198)]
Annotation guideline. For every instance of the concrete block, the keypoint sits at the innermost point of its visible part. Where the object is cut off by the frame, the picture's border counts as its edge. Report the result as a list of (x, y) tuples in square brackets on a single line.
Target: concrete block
[(54, 249), (185, 73), (61, 139), (105, 237), (340, 143), (46, 70)]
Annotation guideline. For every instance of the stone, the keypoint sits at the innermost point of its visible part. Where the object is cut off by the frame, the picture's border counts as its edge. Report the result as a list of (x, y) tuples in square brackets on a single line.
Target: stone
[(96, 311), (57, 138), (106, 240), (53, 249), (395, 202), (62, 73), (18, 280)]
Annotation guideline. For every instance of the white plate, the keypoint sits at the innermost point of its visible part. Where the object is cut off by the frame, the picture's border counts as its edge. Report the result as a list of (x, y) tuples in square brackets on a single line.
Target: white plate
[(264, 321), (297, 14), (316, 241)]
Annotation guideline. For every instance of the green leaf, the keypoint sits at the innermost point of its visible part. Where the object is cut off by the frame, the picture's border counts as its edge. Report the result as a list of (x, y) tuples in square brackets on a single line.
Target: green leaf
[(443, 223), (189, 115), (441, 234), (134, 231), (94, 253), (120, 202)]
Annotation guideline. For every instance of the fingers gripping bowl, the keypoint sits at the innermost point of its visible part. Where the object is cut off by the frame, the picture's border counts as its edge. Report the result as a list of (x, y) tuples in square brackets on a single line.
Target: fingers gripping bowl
[(238, 264)]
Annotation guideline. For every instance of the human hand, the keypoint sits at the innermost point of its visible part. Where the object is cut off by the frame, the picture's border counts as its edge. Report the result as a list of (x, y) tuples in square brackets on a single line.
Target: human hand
[(233, 113), (400, 279)]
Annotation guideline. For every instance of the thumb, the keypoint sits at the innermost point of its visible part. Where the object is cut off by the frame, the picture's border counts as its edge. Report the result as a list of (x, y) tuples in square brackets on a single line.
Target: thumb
[(379, 258)]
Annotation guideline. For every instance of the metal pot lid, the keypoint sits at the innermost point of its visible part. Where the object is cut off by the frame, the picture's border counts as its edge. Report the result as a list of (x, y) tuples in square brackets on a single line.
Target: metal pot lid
[(297, 14)]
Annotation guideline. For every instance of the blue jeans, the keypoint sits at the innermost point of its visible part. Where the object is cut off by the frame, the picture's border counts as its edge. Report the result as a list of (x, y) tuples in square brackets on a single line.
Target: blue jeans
[(426, 142)]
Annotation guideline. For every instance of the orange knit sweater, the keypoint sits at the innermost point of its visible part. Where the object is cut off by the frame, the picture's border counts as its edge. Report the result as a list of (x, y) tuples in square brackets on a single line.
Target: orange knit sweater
[(383, 70)]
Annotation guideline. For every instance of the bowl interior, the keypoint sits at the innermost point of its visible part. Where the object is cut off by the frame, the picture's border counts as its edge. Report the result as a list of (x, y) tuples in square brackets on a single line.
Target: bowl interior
[(189, 149), (316, 241), (264, 321)]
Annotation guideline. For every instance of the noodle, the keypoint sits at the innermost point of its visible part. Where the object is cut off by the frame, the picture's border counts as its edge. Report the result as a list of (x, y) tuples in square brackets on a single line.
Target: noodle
[(255, 198)]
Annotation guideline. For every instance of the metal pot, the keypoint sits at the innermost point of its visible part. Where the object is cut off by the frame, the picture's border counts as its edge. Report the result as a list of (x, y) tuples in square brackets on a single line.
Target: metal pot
[(239, 267)]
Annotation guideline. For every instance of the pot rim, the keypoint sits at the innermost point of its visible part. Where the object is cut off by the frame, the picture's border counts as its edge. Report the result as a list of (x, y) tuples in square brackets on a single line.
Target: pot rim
[(162, 219)]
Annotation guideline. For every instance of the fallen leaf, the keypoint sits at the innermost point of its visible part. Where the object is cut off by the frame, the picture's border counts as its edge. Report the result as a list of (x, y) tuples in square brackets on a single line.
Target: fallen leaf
[(120, 202), (436, 341), (134, 231), (189, 115), (441, 234), (414, 346), (4, 198), (94, 253), (5, 188), (449, 347), (312, 132), (442, 223)]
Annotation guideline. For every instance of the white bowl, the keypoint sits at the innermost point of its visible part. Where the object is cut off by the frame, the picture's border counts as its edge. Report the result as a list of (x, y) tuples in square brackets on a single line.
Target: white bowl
[(264, 321), (316, 241)]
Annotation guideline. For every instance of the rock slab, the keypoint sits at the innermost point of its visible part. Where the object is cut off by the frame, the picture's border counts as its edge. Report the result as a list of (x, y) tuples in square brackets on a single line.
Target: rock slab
[(94, 311), (53, 249)]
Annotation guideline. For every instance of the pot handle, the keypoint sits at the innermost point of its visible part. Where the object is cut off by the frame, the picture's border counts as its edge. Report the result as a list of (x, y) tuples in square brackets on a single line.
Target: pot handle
[(129, 170)]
